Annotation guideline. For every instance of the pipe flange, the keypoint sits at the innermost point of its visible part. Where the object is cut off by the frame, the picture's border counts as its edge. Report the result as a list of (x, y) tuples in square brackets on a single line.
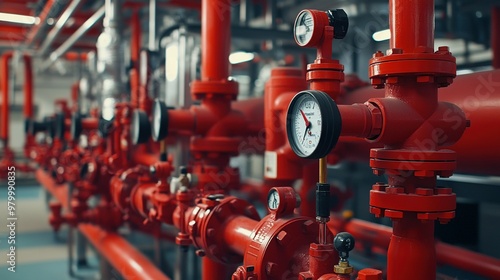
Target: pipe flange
[(428, 203), (439, 66), (273, 239), (211, 214), (421, 163), (208, 89)]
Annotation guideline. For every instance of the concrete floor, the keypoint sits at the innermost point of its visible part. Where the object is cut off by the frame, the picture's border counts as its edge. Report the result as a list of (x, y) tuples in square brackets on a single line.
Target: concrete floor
[(39, 255)]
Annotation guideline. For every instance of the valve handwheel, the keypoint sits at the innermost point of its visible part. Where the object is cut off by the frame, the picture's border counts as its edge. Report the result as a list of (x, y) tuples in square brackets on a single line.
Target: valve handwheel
[(313, 124)]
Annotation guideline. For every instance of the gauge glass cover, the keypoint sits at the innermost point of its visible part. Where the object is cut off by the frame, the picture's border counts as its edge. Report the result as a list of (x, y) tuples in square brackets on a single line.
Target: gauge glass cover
[(306, 124), (304, 28), (273, 200)]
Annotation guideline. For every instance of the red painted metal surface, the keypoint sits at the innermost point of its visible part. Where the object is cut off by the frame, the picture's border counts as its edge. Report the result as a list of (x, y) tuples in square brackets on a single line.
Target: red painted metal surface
[(124, 257), (4, 132), (215, 38), (129, 262), (412, 126), (380, 236), (282, 166), (478, 95)]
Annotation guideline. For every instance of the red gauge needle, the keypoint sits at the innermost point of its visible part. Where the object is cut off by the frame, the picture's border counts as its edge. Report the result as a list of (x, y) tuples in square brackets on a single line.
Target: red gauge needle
[(305, 118), (308, 125)]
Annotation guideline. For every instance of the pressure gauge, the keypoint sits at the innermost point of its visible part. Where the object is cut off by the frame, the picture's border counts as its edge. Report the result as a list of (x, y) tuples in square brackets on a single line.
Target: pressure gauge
[(309, 26), (313, 124), (159, 128), (273, 199), (304, 27), (140, 127)]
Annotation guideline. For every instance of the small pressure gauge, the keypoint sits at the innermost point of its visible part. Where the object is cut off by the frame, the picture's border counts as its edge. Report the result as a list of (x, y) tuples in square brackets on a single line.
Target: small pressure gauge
[(313, 124), (309, 26), (273, 199), (140, 127), (304, 27), (159, 128)]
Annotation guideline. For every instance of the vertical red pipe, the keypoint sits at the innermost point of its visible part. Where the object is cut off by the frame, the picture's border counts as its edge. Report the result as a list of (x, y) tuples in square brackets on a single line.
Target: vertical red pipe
[(4, 131), (495, 35), (28, 87), (135, 49), (135, 45), (414, 24), (215, 39), (412, 240)]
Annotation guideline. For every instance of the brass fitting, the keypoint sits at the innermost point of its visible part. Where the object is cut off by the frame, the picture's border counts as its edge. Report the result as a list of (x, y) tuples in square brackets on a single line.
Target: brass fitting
[(343, 268)]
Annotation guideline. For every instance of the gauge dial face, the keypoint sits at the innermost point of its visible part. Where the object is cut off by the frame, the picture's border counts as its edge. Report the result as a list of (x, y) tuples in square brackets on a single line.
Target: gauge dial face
[(306, 124), (304, 27), (313, 124), (273, 200)]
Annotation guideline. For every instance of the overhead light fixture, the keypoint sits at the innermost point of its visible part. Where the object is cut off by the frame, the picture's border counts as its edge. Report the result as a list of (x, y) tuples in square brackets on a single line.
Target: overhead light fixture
[(22, 19), (382, 35), (240, 57)]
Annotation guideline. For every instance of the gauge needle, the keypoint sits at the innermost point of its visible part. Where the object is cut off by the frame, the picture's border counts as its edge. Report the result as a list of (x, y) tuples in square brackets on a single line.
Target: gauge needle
[(305, 118), (308, 125)]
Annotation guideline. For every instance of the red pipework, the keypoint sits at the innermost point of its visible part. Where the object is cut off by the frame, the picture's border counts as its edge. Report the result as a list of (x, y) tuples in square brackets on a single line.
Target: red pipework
[(4, 132), (412, 125), (28, 87), (478, 97), (380, 236), (215, 39), (412, 24), (121, 255)]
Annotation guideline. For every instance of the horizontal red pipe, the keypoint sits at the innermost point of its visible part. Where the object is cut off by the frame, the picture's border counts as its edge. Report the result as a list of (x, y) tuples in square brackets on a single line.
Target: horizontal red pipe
[(127, 260), (380, 236), (143, 158), (236, 233), (60, 192), (478, 95)]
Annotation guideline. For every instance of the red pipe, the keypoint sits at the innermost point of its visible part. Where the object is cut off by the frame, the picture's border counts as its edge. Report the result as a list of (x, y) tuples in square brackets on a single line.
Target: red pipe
[(127, 260), (4, 132), (468, 260), (135, 48), (236, 230), (413, 26), (380, 236), (478, 95), (135, 44), (215, 38), (28, 88), (495, 35), (60, 192)]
